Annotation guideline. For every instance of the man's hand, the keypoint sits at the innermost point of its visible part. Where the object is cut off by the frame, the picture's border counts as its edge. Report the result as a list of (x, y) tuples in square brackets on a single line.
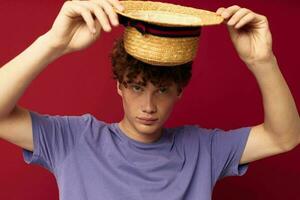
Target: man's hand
[(79, 23), (252, 39), (249, 33)]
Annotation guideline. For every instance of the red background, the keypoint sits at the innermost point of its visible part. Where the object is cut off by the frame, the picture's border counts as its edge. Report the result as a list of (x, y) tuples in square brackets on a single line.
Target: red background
[(222, 93)]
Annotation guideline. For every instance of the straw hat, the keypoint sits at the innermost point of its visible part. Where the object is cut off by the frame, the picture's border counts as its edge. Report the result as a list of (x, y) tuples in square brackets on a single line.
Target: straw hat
[(163, 34)]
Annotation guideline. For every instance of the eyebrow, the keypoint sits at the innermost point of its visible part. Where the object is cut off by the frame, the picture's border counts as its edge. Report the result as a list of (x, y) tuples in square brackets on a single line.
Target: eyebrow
[(141, 83), (133, 83)]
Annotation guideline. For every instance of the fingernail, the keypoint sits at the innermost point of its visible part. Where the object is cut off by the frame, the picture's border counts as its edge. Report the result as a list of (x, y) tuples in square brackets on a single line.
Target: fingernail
[(225, 14), (93, 30), (116, 23), (120, 8), (236, 27), (230, 23)]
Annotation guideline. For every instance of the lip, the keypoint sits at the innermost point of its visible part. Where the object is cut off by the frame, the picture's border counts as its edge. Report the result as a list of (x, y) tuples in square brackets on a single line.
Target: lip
[(147, 121)]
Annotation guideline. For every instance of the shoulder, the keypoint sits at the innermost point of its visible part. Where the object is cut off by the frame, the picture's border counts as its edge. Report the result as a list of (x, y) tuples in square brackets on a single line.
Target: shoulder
[(193, 129), (193, 138), (207, 136), (89, 121), (193, 132), (73, 122)]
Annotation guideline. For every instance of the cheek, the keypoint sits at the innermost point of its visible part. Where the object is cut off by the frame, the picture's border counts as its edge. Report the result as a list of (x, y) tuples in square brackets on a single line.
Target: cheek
[(130, 103), (166, 106)]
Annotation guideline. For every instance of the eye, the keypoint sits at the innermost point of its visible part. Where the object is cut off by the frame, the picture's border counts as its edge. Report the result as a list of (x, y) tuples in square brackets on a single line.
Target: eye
[(136, 88), (163, 90)]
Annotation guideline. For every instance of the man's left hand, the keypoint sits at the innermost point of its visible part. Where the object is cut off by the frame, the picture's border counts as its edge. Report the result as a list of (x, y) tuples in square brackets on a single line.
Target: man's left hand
[(249, 33)]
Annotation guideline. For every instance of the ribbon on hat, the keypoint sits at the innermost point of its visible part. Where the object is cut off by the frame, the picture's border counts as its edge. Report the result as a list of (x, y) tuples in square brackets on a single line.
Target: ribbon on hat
[(163, 31)]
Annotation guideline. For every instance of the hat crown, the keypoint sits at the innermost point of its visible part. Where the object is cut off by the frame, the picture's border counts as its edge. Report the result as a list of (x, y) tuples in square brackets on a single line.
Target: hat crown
[(163, 34)]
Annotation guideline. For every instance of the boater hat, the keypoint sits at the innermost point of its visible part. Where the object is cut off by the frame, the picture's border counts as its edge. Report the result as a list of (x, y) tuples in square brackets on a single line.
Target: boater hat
[(163, 34)]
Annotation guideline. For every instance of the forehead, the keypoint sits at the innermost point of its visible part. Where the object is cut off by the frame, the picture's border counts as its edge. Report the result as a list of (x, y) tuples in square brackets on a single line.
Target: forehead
[(139, 77), (139, 81)]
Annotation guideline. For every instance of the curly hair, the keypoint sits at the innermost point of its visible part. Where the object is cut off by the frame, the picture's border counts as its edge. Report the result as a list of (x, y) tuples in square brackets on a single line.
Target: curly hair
[(126, 68)]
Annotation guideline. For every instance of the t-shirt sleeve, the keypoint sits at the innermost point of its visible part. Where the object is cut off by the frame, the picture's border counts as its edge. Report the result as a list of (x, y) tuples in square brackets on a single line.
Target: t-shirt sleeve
[(54, 138), (227, 148)]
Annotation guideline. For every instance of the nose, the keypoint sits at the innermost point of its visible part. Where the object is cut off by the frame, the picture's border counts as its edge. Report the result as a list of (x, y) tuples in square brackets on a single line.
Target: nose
[(148, 105)]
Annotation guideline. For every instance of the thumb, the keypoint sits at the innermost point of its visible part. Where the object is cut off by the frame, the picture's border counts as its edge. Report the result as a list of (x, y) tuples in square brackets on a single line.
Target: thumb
[(233, 32), (98, 28)]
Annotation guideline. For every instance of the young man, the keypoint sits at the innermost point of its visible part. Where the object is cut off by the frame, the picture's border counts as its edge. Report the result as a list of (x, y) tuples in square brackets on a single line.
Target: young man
[(138, 158)]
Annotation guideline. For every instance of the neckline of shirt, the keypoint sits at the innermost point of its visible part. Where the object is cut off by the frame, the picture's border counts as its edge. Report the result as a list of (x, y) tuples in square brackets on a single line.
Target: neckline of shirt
[(161, 141)]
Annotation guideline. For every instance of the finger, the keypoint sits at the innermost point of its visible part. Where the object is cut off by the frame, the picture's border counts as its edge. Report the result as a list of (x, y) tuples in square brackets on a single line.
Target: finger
[(237, 16), (107, 7), (87, 17), (99, 13), (220, 10), (102, 18), (117, 4), (228, 12), (245, 20)]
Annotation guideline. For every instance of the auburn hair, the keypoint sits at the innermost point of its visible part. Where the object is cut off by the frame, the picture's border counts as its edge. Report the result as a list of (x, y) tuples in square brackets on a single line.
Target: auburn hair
[(126, 68)]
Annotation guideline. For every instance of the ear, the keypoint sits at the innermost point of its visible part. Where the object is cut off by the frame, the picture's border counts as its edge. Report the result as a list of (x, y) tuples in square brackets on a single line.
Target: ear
[(180, 94), (119, 90)]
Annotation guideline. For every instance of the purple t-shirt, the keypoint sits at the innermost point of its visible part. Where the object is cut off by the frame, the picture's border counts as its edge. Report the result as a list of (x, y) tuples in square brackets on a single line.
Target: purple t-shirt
[(95, 160)]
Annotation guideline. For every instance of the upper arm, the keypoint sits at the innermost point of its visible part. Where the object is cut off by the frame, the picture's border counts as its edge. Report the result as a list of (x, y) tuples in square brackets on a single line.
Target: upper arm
[(260, 144), (17, 128)]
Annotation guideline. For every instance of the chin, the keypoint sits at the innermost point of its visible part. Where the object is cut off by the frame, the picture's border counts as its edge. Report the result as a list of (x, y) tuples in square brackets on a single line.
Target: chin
[(147, 129)]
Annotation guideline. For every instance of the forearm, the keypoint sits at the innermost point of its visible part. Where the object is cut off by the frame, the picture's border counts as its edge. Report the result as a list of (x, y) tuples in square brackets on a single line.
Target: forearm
[(16, 75), (281, 117)]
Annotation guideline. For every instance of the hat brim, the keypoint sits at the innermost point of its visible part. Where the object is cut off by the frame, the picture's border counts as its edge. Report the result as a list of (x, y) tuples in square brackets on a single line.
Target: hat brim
[(167, 14)]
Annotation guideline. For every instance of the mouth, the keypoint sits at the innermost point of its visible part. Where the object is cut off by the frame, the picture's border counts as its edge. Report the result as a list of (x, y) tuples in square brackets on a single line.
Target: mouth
[(147, 121)]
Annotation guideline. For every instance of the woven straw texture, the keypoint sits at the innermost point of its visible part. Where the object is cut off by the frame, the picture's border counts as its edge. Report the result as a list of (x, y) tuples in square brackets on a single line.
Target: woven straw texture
[(167, 14), (161, 51)]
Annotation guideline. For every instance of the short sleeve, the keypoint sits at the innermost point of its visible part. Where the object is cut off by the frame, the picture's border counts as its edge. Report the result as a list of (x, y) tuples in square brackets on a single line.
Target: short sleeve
[(54, 138), (227, 148)]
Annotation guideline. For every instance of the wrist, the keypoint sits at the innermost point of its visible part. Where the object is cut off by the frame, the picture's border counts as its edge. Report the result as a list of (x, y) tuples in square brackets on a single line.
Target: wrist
[(262, 66), (54, 47)]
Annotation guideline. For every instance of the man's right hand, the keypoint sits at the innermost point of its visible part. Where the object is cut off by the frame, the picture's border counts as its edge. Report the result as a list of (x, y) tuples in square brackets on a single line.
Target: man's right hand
[(79, 24)]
